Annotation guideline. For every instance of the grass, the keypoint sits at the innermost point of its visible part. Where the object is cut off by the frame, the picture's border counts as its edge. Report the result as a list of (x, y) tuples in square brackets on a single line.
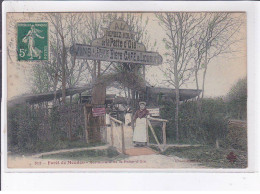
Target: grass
[(88, 155), (52, 146), (210, 156)]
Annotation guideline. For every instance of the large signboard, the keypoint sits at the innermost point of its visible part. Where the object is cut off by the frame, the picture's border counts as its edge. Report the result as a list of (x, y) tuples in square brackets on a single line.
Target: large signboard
[(116, 55), (117, 45)]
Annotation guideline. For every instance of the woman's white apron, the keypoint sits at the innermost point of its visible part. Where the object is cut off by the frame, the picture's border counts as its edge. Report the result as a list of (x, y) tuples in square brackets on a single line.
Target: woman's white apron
[(140, 130)]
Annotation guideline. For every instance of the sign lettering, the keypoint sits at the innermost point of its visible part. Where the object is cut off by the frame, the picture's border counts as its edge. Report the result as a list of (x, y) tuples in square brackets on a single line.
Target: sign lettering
[(115, 55), (117, 45)]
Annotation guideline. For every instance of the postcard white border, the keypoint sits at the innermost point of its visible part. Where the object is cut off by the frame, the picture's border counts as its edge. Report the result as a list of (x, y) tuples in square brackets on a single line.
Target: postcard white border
[(180, 174)]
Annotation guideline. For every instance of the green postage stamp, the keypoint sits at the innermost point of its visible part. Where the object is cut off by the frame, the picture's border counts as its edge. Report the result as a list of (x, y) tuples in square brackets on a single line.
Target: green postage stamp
[(32, 40)]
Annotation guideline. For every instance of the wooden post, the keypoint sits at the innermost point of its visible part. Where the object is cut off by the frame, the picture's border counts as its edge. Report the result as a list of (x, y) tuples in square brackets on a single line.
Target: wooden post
[(86, 123), (112, 135), (98, 98), (105, 133), (123, 138), (156, 139), (79, 98), (164, 133), (147, 133), (99, 69)]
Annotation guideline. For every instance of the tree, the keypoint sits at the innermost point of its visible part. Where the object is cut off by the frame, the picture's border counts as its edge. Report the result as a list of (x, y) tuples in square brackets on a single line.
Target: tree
[(217, 36), (68, 29), (62, 68), (42, 79), (94, 24), (180, 28), (61, 32)]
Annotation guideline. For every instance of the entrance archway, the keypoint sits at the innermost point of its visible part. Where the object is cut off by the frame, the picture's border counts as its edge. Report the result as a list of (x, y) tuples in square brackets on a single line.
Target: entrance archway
[(96, 123)]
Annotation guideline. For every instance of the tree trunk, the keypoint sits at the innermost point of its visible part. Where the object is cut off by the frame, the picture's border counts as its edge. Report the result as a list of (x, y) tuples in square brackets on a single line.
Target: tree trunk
[(144, 71), (203, 82), (198, 98), (177, 113), (55, 89), (205, 70), (55, 96), (217, 143), (70, 99), (94, 74), (197, 82), (63, 65), (177, 88), (63, 85), (199, 109)]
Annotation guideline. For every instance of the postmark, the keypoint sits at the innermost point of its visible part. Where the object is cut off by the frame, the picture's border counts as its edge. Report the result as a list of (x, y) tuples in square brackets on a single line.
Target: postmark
[(32, 41)]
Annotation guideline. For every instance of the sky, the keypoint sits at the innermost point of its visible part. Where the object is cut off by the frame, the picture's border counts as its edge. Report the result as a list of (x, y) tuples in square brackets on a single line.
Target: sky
[(223, 71)]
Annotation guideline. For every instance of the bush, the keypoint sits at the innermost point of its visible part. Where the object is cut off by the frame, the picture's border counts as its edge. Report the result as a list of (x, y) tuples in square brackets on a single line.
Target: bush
[(205, 127), (22, 128), (32, 130), (213, 119), (112, 152), (237, 100), (236, 137), (209, 156)]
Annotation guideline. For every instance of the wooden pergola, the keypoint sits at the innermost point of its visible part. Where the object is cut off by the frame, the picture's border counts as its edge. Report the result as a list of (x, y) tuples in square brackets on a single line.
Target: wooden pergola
[(150, 92)]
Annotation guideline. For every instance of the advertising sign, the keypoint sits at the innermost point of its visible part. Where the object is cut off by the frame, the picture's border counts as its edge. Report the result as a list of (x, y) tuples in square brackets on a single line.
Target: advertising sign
[(97, 112), (115, 55), (117, 45), (154, 112)]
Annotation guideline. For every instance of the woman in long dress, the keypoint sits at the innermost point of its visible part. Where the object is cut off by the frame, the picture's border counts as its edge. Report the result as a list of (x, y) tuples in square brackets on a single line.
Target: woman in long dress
[(140, 135), (30, 38)]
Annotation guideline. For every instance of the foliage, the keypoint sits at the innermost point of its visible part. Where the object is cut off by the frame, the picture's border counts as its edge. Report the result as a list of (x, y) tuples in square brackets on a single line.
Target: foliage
[(87, 155), (112, 152), (37, 129), (214, 120), (194, 128), (237, 100), (236, 137), (21, 127), (209, 156)]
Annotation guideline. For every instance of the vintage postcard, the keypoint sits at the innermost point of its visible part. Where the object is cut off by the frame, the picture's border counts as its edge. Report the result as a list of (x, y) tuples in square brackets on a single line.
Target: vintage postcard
[(126, 90)]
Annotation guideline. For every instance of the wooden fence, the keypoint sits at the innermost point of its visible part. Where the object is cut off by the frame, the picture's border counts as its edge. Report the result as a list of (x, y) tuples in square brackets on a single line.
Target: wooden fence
[(122, 139)]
